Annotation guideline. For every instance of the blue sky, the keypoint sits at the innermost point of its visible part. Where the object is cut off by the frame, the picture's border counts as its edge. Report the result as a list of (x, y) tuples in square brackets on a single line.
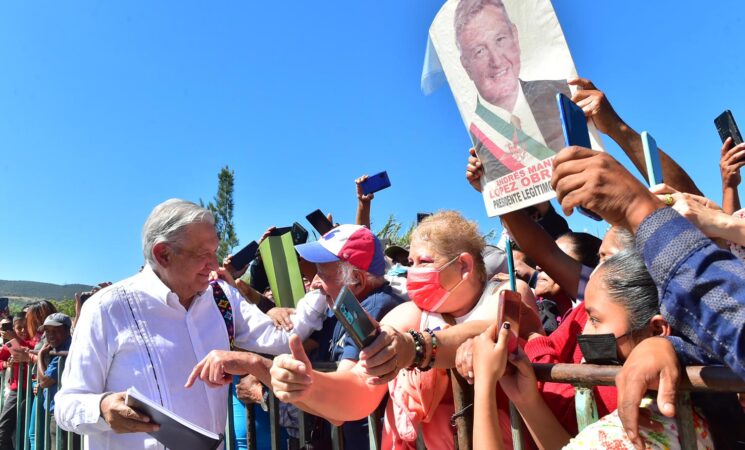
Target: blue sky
[(110, 108)]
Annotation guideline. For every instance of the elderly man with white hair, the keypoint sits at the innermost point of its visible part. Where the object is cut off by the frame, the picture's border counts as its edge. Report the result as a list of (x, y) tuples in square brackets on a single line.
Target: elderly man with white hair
[(149, 331)]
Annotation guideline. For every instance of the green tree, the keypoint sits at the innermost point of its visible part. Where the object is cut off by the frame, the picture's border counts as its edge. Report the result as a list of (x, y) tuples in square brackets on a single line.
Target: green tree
[(222, 208)]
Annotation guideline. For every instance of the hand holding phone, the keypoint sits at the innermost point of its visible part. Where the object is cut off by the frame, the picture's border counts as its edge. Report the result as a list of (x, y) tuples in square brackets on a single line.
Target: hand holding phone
[(241, 259), (726, 127), (358, 324), (510, 310), (574, 126), (375, 183)]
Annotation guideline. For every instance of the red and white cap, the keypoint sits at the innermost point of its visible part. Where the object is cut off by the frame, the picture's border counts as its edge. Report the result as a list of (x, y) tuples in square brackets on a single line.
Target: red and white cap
[(352, 243)]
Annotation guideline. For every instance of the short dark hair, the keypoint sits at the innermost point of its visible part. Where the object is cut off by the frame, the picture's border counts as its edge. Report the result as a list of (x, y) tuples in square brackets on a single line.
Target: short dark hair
[(585, 246), (19, 316)]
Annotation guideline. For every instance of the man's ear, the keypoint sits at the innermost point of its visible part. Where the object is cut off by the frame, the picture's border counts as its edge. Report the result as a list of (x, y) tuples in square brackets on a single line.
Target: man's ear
[(162, 254), (660, 326)]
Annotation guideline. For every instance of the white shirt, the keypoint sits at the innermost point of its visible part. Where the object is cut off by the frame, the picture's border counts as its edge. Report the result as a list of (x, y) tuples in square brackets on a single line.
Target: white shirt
[(148, 340)]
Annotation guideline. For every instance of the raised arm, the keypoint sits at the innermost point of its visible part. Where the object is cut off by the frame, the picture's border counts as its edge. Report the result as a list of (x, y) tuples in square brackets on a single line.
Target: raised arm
[(597, 107), (363, 203), (733, 158)]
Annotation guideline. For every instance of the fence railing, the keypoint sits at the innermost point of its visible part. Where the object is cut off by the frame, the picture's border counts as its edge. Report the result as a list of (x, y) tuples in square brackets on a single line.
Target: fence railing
[(34, 418)]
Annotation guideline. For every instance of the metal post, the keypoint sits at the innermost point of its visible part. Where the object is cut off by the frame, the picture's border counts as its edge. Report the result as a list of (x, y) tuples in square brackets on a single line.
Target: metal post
[(47, 415), (584, 404), (250, 427), (27, 407), (684, 417), (39, 422), (230, 425), (19, 401), (274, 421)]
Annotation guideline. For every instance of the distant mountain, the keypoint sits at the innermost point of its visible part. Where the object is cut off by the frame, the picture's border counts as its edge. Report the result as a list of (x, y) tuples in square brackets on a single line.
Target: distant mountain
[(35, 289)]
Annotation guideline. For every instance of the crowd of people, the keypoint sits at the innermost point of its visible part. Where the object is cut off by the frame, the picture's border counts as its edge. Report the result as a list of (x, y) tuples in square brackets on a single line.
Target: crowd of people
[(663, 289), (184, 328)]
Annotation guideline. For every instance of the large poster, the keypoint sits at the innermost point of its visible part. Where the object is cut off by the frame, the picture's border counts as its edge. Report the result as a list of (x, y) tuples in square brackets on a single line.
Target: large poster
[(505, 61)]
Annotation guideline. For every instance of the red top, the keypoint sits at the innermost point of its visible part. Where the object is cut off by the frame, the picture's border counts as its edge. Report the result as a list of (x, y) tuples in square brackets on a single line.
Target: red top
[(5, 355), (561, 347)]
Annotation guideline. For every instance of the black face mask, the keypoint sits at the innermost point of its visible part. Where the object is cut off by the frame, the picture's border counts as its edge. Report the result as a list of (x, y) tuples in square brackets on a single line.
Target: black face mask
[(599, 348)]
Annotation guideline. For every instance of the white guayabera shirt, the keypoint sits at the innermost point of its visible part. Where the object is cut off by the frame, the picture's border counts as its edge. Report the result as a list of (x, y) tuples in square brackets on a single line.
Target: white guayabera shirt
[(136, 333)]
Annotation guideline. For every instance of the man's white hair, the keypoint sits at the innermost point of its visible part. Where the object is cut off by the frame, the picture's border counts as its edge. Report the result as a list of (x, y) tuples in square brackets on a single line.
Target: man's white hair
[(167, 221), (346, 276), (467, 9)]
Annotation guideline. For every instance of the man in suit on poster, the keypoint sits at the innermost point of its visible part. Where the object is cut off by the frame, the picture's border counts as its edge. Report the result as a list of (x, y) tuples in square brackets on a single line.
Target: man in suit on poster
[(524, 112)]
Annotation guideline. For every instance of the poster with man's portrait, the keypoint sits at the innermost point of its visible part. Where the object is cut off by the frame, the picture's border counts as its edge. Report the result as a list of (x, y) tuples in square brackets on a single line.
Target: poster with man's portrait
[(505, 61)]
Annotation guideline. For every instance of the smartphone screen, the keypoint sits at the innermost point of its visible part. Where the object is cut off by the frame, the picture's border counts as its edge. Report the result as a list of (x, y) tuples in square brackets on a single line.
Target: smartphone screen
[(574, 126), (356, 321), (244, 256), (320, 222), (727, 127), (421, 216), (375, 183)]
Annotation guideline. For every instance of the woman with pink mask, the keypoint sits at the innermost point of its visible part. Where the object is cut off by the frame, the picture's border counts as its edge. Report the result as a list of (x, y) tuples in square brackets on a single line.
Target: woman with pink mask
[(409, 359)]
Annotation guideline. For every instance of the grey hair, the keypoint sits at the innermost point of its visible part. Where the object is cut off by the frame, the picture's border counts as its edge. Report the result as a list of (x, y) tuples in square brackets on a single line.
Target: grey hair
[(629, 284), (346, 275), (626, 240), (167, 221), (467, 9)]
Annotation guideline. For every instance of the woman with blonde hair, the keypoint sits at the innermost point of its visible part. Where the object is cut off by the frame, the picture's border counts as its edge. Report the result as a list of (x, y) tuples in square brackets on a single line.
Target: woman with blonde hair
[(417, 344)]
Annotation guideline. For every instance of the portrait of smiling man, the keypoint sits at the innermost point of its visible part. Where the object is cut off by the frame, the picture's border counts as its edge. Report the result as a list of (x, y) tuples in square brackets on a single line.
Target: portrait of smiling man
[(523, 112)]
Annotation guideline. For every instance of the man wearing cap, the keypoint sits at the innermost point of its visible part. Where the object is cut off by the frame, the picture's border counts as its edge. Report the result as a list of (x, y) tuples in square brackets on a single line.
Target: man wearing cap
[(56, 329), (351, 256)]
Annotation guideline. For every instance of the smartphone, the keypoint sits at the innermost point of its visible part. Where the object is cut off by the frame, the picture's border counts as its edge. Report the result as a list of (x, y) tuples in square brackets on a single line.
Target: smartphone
[(244, 256), (574, 126), (375, 183), (652, 158), (727, 127), (320, 222), (280, 231), (6, 326), (299, 234), (510, 309), (421, 216), (356, 321)]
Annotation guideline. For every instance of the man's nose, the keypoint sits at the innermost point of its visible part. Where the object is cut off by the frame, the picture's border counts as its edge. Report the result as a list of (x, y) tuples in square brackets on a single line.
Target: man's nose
[(212, 263)]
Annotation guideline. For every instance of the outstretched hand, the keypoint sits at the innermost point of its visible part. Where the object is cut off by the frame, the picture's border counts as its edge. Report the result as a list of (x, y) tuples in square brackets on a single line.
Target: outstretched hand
[(651, 365)]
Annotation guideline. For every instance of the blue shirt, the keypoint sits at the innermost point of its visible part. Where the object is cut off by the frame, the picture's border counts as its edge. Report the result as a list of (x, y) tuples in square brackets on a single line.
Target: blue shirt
[(52, 372), (701, 289)]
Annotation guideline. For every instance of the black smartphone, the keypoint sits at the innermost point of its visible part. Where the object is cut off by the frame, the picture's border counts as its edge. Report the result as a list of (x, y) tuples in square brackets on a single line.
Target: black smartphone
[(299, 234), (727, 127), (574, 126), (279, 231), (244, 256), (320, 222), (6, 326), (375, 183), (421, 216), (355, 319)]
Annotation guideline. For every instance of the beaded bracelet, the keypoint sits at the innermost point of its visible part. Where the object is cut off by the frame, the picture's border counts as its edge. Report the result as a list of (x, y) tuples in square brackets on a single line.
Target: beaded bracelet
[(433, 355), (418, 347)]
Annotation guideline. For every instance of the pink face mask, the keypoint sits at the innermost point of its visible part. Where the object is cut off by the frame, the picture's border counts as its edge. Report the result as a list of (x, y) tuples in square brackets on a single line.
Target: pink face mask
[(424, 288)]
